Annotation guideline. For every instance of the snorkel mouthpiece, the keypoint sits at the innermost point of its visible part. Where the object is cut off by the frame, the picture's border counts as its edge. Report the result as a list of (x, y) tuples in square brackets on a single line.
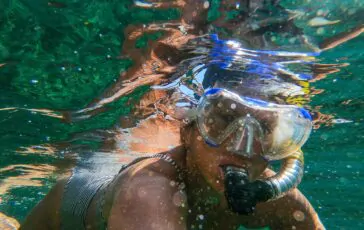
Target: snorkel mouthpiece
[(242, 195)]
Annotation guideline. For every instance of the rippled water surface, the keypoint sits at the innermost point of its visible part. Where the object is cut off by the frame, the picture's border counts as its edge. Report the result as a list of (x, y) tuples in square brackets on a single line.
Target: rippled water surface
[(75, 76)]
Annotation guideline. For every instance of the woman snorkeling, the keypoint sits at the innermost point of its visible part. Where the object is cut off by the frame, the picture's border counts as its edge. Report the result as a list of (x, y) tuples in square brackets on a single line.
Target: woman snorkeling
[(211, 172), (215, 178), (218, 178)]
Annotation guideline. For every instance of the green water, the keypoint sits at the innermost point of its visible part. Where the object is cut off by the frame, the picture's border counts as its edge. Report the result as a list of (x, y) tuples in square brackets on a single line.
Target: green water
[(60, 57)]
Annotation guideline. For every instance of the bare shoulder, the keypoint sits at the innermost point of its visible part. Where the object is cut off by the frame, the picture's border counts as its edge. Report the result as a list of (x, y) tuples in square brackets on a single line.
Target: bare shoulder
[(147, 194)]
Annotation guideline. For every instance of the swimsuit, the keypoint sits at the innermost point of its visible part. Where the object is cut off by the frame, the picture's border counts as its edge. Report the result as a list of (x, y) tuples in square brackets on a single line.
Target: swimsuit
[(88, 177)]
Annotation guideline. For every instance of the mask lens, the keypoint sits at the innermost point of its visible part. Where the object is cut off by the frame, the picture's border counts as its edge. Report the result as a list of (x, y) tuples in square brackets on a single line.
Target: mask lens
[(291, 132), (253, 126), (220, 116), (215, 120)]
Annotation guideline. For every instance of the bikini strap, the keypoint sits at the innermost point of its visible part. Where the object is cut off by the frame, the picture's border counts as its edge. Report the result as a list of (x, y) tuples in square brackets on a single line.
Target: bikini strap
[(164, 157)]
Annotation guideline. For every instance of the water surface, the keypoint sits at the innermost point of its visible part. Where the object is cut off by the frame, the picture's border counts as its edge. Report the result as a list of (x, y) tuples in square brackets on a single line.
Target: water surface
[(57, 58)]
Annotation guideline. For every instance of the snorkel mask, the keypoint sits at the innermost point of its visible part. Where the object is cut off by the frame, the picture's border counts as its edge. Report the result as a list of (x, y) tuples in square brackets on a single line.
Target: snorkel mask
[(249, 126), (252, 126)]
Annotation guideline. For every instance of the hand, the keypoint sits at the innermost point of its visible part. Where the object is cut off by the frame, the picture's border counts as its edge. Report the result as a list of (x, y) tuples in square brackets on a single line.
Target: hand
[(242, 195)]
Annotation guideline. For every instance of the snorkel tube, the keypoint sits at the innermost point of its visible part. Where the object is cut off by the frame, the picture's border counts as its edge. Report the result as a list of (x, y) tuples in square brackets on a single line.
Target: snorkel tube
[(243, 195), (289, 176)]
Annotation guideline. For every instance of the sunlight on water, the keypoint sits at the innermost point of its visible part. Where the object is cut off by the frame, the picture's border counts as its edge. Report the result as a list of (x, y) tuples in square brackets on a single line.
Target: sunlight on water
[(79, 77)]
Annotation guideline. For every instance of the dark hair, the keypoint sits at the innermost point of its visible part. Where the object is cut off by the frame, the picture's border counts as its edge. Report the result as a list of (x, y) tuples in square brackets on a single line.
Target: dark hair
[(185, 129)]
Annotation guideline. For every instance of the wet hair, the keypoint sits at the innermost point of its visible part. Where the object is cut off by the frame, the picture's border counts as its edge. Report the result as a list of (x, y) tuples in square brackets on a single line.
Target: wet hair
[(185, 130)]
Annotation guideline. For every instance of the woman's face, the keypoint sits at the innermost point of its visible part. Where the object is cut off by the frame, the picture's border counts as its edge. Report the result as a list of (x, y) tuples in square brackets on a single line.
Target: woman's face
[(209, 161)]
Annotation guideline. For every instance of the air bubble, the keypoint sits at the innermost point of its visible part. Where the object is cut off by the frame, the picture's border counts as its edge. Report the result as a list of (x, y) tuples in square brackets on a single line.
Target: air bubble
[(179, 199), (299, 215), (206, 4)]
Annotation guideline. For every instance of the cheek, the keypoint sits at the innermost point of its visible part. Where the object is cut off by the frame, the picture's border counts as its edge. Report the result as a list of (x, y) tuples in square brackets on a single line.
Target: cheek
[(204, 156), (209, 166)]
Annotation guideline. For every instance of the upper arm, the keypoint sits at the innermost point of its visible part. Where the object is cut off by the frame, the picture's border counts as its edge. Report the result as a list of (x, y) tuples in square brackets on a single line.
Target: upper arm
[(45, 215), (148, 199)]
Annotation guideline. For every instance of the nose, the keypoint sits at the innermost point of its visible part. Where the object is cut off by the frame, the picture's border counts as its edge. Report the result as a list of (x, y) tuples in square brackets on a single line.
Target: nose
[(248, 139)]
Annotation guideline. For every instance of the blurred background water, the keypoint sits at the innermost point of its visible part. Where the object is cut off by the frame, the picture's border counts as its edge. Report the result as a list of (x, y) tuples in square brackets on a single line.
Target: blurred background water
[(58, 56)]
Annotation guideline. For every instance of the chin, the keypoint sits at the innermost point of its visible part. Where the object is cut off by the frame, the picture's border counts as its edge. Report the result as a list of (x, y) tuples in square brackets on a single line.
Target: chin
[(216, 181), (218, 186)]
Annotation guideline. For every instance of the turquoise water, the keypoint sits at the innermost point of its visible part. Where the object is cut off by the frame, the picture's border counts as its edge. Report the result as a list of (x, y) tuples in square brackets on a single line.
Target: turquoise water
[(61, 56)]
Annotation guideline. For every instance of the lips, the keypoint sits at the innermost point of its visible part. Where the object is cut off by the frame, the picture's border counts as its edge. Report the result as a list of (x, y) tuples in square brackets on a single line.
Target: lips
[(230, 168), (226, 165), (232, 160), (229, 161)]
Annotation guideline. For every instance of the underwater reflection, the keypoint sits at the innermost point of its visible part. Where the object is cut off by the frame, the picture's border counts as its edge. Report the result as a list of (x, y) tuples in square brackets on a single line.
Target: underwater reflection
[(190, 55), (183, 50), (195, 53), (25, 175)]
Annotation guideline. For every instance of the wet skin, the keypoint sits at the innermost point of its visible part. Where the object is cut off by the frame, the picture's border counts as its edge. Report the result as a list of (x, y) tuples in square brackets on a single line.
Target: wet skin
[(146, 194), (204, 180)]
